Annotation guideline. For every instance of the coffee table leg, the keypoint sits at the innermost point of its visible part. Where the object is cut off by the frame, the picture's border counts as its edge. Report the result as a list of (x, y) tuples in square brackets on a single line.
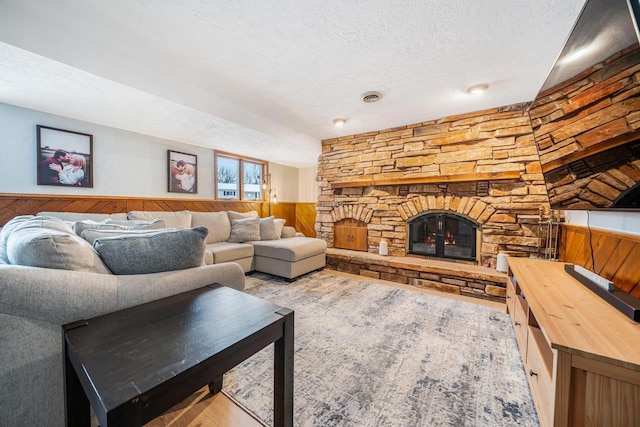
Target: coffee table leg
[(283, 373), (216, 386), (77, 408)]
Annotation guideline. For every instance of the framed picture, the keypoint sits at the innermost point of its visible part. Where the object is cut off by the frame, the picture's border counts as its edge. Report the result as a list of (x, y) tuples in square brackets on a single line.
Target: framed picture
[(64, 157), (183, 172)]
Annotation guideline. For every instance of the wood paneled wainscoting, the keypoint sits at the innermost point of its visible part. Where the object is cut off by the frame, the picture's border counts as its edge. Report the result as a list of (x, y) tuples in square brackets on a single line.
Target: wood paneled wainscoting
[(302, 216), (616, 255)]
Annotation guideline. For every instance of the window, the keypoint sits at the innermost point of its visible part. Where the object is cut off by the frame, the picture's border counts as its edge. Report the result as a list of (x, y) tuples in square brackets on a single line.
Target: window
[(230, 168)]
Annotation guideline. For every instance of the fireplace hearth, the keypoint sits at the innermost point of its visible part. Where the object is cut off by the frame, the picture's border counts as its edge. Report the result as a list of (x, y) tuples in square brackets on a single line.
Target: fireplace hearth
[(443, 235)]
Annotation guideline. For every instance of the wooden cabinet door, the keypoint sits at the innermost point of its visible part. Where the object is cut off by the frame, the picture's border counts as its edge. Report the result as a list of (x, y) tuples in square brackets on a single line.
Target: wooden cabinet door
[(350, 234)]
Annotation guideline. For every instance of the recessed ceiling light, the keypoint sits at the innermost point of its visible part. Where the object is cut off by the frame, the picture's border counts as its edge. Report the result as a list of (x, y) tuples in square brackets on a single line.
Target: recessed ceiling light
[(477, 89), (371, 96), (339, 122)]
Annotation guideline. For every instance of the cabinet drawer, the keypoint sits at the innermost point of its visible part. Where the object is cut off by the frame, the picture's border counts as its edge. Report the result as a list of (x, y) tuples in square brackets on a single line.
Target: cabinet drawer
[(511, 296), (519, 318), (539, 375)]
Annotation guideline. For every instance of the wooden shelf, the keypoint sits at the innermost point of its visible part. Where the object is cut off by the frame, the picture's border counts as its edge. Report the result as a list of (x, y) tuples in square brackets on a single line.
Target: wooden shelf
[(428, 179)]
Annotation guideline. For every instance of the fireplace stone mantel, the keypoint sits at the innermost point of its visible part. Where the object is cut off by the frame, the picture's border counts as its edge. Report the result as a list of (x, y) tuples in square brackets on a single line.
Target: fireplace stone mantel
[(428, 179)]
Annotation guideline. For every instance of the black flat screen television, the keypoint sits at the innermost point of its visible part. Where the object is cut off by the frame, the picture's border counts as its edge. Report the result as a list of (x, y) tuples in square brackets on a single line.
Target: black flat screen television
[(586, 118)]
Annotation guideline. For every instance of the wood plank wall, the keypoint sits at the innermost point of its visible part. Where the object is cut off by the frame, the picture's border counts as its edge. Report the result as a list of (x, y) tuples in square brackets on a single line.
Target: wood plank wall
[(302, 216), (616, 255)]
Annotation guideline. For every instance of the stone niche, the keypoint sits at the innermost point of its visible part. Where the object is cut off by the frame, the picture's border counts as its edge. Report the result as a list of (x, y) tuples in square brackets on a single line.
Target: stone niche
[(482, 165)]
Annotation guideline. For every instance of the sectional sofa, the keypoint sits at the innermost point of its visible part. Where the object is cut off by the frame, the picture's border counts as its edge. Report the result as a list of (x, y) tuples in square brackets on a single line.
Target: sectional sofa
[(282, 252), (64, 278)]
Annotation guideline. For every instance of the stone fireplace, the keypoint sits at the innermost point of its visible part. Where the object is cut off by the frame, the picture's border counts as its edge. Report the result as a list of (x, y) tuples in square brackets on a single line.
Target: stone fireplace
[(481, 167)]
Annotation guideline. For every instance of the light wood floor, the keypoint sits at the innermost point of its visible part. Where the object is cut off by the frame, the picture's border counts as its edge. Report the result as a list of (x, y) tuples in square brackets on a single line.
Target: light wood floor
[(203, 409)]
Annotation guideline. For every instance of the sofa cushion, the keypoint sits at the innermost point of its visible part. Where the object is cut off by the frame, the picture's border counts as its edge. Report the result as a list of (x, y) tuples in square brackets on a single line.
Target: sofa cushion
[(229, 252), (50, 243), (218, 224), (244, 230), (268, 229), (291, 249), (279, 223), (181, 219), (153, 252), (240, 215), (81, 226)]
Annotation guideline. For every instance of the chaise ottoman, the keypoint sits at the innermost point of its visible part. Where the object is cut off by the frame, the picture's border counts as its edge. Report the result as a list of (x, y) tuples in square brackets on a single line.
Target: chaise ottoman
[(290, 257)]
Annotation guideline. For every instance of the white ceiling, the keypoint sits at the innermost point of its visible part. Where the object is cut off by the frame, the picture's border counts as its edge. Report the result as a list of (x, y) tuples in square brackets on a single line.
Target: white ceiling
[(266, 78)]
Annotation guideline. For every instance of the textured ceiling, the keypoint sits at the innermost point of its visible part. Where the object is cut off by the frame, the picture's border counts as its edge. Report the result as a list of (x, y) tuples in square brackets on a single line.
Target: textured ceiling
[(266, 78)]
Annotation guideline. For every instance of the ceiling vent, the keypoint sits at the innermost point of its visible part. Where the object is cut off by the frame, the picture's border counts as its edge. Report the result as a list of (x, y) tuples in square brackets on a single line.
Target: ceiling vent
[(371, 97)]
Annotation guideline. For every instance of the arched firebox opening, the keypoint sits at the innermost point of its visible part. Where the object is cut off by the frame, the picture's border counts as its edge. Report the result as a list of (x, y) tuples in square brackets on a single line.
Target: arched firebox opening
[(628, 199), (443, 235)]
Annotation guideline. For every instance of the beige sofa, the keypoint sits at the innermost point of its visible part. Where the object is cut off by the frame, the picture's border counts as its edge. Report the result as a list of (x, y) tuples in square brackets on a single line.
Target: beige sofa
[(35, 302)]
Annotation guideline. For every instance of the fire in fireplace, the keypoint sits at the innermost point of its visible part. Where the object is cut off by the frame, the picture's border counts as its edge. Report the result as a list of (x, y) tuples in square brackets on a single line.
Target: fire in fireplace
[(443, 235)]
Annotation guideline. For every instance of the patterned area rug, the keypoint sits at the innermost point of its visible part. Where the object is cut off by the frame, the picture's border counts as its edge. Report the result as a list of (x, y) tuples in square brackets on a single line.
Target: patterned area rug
[(374, 355)]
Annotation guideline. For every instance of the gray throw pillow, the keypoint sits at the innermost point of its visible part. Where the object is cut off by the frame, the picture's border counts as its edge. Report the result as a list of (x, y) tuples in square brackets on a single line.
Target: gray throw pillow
[(91, 235), (245, 230), (268, 229), (50, 243), (165, 250), (6, 231), (81, 226)]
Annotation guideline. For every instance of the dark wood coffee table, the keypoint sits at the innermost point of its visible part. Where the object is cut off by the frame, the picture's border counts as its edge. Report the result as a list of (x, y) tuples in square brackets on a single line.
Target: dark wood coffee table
[(132, 365)]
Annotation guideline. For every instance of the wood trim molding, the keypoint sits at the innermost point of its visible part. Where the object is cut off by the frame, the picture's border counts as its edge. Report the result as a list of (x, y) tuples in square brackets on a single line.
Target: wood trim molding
[(618, 234), (616, 255), (302, 216)]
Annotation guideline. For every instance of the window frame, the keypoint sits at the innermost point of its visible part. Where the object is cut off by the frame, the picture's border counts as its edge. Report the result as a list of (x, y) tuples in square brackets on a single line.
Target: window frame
[(241, 160)]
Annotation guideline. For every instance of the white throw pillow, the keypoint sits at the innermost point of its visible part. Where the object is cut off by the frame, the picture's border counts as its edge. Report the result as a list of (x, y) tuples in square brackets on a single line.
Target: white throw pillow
[(268, 229), (288, 232), (279, 223)]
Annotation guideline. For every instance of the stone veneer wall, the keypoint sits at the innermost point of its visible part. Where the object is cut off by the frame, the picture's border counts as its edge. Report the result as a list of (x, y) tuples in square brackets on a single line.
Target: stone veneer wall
[(587, 130), (435, 155)]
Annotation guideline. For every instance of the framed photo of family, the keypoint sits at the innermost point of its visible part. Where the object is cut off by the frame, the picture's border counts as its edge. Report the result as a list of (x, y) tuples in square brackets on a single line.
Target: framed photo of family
[(183, 172), (65, 157)]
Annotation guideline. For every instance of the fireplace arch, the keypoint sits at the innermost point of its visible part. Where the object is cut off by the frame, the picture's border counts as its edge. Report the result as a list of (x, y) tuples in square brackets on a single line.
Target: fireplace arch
[(443, 234)]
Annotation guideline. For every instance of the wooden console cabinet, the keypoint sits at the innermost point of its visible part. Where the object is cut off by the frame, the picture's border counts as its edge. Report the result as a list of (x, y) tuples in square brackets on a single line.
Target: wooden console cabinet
[(581, 355)]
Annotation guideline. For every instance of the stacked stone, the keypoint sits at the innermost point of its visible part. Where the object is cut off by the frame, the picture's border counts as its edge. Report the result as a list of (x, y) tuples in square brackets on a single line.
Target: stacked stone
[(576, 122), (486, 143), (444, 277)]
